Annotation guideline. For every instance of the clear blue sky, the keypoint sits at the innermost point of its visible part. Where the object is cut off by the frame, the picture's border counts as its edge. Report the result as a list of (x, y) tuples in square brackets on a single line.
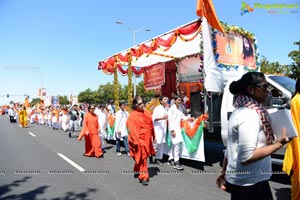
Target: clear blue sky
[(63, 40)]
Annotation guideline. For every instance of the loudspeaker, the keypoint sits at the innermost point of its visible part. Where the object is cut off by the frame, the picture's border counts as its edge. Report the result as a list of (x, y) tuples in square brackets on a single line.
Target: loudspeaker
[(197, 105)]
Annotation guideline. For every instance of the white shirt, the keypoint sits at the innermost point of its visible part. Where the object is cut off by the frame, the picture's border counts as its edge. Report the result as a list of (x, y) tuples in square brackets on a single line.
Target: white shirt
[(245, 134), (111, 108), (11, 112), (160, 126), (120, 123), (102, 120), (174, 117)]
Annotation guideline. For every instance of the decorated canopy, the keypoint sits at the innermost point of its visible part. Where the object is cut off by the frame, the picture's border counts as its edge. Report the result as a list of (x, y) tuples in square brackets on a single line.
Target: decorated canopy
[(178, 43)]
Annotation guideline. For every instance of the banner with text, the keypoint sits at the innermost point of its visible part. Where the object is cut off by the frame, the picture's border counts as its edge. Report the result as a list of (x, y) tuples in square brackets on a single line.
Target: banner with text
[(188, 70), (154, 76)]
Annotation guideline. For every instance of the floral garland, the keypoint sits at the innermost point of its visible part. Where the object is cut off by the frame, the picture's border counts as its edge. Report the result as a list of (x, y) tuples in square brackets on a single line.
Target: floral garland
[(129, 81), (227, 29), (116, 88), (243, 32), (201, 66)]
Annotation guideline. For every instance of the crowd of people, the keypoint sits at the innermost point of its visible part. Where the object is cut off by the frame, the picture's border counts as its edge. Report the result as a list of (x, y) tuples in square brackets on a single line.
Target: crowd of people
[(143, 133), (57, 117)]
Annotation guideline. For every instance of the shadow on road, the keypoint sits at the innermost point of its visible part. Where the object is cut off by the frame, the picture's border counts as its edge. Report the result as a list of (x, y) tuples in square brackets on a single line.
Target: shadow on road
[(9, 187), (153, 171), (33, 194), (75, 196), (4, 189)]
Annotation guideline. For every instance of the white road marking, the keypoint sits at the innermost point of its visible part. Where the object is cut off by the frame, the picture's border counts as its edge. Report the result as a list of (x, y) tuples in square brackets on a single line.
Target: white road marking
[(71, 162), (33, 135)]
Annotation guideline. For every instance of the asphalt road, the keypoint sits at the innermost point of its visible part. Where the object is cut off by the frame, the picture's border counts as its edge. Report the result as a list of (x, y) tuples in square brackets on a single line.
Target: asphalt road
[(41, 163)]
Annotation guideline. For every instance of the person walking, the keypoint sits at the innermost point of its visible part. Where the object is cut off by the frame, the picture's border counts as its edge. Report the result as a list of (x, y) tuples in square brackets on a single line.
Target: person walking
[(111, 107), (140, 136), (90, 131), (23, 120), (247, 163), (74, 116), (175, 115), (121, 129), (160, 117), (102, 120)]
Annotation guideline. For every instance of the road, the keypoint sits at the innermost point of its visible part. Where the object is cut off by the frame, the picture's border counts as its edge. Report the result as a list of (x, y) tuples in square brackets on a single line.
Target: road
[(41, 163)]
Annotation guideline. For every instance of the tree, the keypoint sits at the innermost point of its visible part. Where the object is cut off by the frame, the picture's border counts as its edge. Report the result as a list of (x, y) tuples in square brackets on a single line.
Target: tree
[(63, 100), (295, 66), (268, 67), (35, 101), (105, 93), (87, 96), (147, 95)]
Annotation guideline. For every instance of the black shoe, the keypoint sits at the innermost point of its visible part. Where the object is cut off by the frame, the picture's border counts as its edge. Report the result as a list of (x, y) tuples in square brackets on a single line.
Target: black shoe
[(159, 162), (170, 162), (102, 156), (177, 166), (144, 182), (70, 135), (151, 160)]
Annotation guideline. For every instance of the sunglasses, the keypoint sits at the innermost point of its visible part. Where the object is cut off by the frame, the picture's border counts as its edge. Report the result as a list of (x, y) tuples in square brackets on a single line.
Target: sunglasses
[(140, 103), (263, 86), (92, 108)]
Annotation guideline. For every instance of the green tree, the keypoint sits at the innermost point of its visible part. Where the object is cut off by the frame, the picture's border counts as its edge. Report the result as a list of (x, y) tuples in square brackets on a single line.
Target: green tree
[(63, 100), (105, 93), (87, 96), (268, 67), (147, 95), (295, 66), (35, 101)]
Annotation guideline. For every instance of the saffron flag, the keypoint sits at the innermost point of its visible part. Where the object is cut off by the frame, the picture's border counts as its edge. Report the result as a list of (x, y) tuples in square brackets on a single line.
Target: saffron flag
[(292, 154), (205, 8)]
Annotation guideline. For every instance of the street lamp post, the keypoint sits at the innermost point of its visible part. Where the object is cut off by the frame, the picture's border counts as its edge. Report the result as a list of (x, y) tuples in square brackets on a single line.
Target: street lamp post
[(42, 80), (134, 42)]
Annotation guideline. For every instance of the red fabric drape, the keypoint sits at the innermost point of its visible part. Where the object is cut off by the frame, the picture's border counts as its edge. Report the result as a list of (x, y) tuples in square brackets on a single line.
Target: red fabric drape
[(137, 52), (170, 81)]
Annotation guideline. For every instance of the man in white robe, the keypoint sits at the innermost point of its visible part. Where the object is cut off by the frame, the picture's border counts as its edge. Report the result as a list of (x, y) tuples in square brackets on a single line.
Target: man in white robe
[(159, 118)]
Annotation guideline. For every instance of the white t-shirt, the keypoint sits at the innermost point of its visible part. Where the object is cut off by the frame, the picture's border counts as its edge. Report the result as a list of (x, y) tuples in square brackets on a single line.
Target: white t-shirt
[(175, 116), (120, 123), (245, 134), (160, 126)]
